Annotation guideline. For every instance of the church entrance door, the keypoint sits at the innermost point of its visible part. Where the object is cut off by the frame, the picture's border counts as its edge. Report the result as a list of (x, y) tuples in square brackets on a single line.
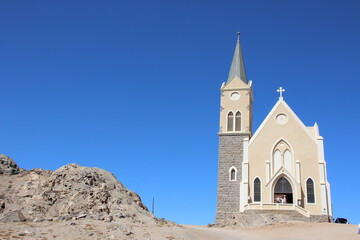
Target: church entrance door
[(283, 191)]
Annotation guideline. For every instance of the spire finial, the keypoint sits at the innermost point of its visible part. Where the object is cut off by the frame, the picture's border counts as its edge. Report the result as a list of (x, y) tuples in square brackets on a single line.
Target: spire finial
[(238, 33), (280, 90)]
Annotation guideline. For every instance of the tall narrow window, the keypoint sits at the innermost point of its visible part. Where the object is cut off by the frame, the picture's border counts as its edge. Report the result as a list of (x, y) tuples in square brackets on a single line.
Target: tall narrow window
[(232, 175), (238, 121), (230, 122), (277, 160), (257, 190), (287, 161), (310, 191)]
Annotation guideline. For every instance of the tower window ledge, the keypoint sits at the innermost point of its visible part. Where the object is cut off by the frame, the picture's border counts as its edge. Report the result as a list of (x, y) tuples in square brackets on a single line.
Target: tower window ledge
[(234, 133)]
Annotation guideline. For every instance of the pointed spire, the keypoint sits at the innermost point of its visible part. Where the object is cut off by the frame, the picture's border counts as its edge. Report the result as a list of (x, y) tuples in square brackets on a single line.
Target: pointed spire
[(237, 66)]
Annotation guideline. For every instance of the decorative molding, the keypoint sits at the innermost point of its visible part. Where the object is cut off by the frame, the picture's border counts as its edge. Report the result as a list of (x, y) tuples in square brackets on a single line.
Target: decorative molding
[(283, 173), (281, 118)]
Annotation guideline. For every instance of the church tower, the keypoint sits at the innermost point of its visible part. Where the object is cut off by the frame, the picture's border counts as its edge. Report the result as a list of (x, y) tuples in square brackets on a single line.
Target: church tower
[(234, 134)]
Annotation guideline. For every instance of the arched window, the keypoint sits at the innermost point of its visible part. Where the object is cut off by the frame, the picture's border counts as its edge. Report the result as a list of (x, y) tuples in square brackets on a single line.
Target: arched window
[(310, 191), (257, 190), (232, 174), (287, 160), (230, 122), (282, 157), (238, 121), (277, 160)]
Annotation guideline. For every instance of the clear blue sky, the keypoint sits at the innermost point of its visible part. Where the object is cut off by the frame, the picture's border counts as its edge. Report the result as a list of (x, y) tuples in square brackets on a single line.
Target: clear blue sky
[(133, 87)]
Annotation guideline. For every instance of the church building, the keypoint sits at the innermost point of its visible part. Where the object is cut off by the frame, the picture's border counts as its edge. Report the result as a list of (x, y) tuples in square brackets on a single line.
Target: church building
[(279, 167)]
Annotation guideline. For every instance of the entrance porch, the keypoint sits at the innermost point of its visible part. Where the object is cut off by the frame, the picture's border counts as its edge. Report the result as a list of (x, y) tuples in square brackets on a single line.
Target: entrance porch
[(277, 206)]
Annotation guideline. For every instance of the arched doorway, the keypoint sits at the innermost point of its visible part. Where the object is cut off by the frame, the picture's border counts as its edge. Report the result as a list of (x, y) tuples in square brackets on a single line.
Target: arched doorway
[(283, 191)]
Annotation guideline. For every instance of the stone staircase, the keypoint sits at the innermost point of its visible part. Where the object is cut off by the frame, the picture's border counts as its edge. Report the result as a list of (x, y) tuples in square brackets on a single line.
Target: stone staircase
[(285, 215)]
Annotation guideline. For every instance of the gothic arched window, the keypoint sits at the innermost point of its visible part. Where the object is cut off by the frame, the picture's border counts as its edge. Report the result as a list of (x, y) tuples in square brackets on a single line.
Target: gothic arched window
[(257, 190), (282, 157), (230, 121), (277, 160), (310, 191), (238, 121), (287, 160)]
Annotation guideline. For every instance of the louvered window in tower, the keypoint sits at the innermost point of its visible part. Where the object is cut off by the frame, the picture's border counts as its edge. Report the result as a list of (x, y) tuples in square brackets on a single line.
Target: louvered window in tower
[(230, 122)]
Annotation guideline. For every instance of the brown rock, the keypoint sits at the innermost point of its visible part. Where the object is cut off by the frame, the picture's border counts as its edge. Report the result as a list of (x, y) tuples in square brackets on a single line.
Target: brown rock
[(13, 216)]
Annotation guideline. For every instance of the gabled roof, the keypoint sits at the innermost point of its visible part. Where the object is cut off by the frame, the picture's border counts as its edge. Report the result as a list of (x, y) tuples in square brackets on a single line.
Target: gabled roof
[(237, 68), (292, 113)]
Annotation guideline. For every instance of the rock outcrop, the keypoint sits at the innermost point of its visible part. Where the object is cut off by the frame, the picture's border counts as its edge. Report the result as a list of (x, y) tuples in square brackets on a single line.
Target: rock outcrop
[(71, 192), (8, 166)]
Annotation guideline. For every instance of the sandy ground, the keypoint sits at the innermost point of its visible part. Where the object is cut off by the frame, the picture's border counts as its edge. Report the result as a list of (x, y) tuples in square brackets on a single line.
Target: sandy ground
[(285, 231), (91, 229)]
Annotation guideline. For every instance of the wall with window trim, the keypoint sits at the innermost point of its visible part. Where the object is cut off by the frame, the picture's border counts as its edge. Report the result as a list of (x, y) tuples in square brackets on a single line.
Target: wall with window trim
[(305, 156)]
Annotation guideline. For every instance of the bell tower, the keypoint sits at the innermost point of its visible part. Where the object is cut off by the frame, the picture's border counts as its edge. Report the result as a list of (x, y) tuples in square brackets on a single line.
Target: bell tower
[(234, 133)]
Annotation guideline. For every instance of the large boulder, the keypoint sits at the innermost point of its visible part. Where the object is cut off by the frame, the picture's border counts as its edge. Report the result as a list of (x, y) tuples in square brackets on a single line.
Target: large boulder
[(8, 166)]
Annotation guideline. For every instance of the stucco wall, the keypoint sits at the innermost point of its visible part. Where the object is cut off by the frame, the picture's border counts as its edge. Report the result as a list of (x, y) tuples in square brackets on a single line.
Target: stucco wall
[(303, 148)]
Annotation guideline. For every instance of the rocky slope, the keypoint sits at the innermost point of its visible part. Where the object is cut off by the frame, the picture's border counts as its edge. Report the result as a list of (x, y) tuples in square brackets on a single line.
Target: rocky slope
[(70, 192)]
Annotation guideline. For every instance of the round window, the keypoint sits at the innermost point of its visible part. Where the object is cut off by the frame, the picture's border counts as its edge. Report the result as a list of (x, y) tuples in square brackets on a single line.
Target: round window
[(235, 96), (281, 119)]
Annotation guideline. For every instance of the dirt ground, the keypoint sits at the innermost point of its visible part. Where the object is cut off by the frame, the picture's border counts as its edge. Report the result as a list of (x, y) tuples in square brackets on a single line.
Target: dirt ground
[(92, 229)]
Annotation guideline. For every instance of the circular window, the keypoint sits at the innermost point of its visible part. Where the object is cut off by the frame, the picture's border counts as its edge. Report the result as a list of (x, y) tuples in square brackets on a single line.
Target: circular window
[(235, 96), (281, 119)]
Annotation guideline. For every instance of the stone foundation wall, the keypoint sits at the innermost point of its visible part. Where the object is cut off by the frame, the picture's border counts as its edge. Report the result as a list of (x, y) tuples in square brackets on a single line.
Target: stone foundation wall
[(258, 218), (321, 218)]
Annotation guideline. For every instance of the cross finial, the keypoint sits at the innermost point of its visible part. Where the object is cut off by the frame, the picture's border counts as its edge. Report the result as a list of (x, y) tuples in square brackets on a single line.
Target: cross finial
[(280, 90)]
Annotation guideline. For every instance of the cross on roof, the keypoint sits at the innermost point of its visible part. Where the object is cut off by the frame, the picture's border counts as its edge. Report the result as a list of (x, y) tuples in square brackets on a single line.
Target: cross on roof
[(280, 90)]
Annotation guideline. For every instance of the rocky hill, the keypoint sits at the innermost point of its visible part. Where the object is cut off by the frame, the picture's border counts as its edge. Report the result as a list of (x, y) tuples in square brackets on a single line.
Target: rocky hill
[(70, 192)]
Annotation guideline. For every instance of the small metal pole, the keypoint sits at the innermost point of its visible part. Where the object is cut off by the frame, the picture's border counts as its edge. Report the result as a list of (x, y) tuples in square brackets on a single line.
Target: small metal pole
[(153, 204)]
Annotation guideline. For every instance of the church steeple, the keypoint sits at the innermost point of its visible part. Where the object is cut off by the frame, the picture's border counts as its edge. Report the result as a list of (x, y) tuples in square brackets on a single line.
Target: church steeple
[(237, 66), (234, 134)]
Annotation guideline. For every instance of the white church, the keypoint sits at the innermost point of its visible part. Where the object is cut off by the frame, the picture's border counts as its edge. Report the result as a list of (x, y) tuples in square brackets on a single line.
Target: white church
[(281, 166)]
